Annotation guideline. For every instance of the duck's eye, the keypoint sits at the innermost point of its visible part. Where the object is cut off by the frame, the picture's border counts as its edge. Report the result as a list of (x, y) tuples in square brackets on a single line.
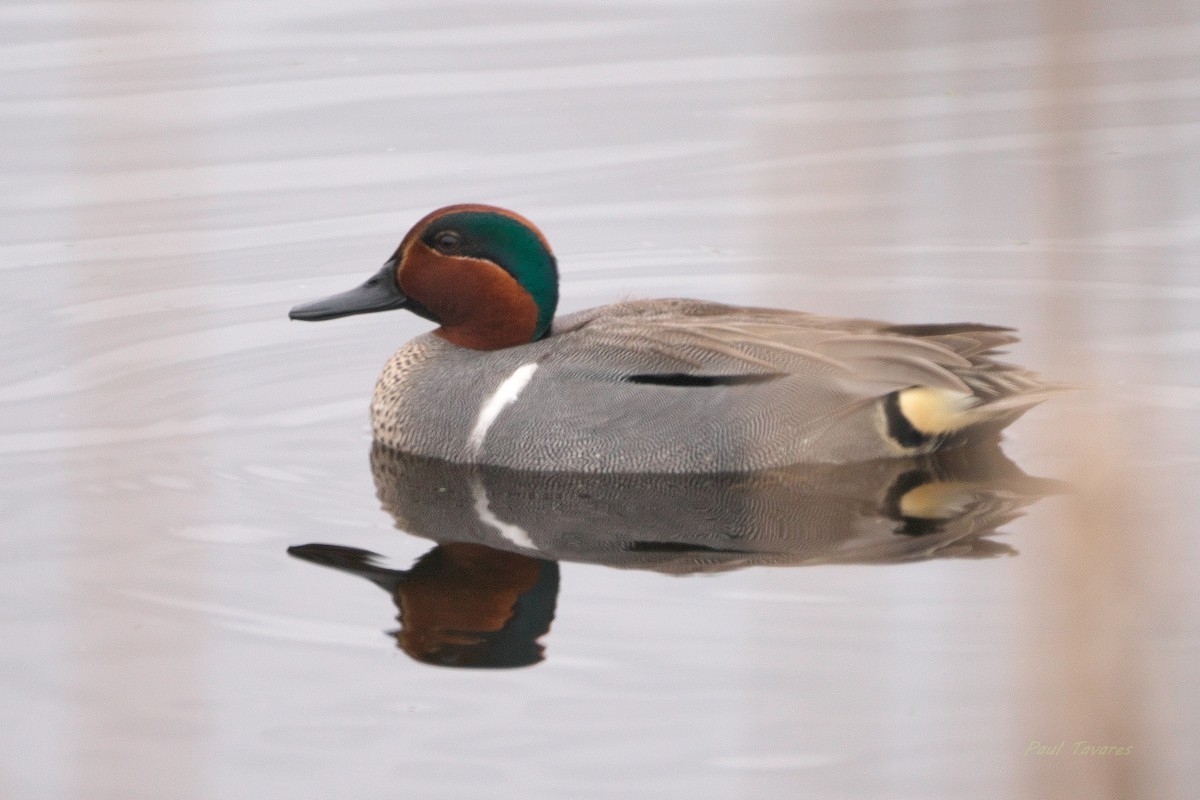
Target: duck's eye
[(447, 241)]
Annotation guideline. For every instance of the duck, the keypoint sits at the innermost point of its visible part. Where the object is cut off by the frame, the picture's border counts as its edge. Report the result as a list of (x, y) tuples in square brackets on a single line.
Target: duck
[(655, 385)]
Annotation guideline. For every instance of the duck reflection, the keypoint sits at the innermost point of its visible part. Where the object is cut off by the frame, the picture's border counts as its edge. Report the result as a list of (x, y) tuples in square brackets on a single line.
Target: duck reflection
[(485, 594)]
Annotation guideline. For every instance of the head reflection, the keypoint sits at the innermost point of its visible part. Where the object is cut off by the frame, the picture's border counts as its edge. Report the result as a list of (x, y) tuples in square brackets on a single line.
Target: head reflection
[(461, 604), (486, 593)]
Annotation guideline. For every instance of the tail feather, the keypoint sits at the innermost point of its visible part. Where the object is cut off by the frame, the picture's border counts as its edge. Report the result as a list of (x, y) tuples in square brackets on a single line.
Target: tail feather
[(996, 402)]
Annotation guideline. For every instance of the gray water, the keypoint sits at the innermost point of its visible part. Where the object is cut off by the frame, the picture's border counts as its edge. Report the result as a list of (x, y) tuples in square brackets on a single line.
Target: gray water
[(176, 175)]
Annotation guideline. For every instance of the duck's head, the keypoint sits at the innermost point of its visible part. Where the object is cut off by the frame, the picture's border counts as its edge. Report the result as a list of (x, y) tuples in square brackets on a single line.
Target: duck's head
[(485, 275)]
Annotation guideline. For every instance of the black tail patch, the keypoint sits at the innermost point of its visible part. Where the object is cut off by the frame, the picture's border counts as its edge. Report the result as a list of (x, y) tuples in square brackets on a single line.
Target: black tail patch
[(898, 426)]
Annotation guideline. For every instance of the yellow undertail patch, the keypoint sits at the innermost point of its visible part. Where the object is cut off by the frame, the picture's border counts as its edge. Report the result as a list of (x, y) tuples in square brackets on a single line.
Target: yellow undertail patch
[(935, 411)]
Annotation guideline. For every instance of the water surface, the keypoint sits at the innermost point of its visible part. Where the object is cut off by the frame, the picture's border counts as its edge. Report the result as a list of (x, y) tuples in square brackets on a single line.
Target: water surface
[(176, 175)]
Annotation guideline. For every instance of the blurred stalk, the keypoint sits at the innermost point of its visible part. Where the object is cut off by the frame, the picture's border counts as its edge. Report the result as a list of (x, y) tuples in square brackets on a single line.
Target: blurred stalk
[(138, 686), (1081, 671)]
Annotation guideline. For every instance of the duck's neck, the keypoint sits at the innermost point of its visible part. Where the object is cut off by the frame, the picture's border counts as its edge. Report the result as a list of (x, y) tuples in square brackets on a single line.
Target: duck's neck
[(486, 334), (488, 310)]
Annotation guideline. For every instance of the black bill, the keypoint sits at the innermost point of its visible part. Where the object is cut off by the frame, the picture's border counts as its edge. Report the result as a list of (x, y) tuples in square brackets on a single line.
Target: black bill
[(379, 293)]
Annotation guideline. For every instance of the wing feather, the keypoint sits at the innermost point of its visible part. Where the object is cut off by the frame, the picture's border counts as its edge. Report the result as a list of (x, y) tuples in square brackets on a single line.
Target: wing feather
[(694, 338)]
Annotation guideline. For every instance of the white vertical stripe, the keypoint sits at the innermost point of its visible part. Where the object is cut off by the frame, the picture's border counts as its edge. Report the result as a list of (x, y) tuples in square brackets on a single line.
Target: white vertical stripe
[(483, 509), (504, 396)]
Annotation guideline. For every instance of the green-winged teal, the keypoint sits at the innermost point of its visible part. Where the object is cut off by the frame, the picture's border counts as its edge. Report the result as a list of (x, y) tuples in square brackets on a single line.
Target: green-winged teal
[(655, 385)]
